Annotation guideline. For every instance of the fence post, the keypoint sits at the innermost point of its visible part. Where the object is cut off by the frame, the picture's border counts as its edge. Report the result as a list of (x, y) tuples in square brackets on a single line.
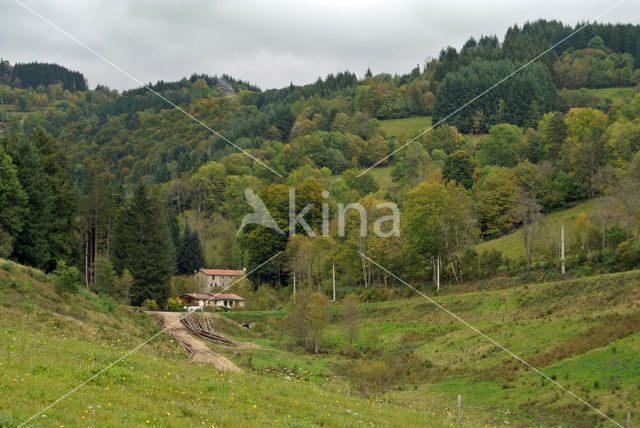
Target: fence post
[(459, 406)]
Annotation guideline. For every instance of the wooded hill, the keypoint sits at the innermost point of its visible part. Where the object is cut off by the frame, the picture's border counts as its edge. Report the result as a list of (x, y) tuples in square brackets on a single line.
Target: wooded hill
[(72, 159)]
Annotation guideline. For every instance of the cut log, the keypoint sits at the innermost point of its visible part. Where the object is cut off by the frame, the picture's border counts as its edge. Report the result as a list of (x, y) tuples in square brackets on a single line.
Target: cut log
[(201, 327)]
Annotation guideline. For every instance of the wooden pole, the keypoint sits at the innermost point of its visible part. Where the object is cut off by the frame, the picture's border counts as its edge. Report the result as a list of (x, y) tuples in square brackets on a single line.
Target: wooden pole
[(459, 407), (438, 273), (294, 288), (334, 282), (562, 250), (628, 424)]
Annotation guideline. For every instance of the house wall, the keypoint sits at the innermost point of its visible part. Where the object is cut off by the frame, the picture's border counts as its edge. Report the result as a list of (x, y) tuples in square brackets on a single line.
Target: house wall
[(203, 282), (206, 283), (232, 303)]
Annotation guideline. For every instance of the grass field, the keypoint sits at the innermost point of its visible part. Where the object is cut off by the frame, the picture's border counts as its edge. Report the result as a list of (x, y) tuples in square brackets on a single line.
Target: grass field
[(614, 94), (511, 245), (382, 175), (52, 343), (585, 334), (408, 126)]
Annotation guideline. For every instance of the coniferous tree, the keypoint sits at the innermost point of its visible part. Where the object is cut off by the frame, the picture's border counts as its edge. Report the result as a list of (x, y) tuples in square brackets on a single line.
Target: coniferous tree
[(174, 233), (32, 246), (190, 254), (12, 203), (142, 244), (63, 197), (98, 208)]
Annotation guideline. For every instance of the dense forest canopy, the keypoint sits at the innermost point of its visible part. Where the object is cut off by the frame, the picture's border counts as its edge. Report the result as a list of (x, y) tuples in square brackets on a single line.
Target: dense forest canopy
[(82, 170), (33, 74)]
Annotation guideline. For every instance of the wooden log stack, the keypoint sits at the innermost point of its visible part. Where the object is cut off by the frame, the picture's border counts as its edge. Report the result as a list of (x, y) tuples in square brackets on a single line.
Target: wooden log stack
[(201, 328)]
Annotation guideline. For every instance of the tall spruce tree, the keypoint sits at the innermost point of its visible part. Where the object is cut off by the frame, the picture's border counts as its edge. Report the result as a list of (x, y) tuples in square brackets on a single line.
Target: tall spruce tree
[(174, 233), (63, 198), (32, 246), (13, 201), (190, 254), (142, 244)]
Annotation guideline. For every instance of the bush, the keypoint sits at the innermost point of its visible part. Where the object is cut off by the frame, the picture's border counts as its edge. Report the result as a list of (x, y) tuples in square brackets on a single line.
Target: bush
[(370, 377), (150, 305), (374, 294), (7, 266), (105, 304), (66, 279), (174, 304), (6, 243), (628, 254)]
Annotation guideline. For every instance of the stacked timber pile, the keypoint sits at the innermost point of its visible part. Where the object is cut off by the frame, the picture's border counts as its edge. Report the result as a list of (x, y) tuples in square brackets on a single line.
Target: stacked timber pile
[(201, 328)]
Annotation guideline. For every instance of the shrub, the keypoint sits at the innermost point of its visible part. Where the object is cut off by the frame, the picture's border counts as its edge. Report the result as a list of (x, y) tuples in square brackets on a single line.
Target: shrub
[(105, 304), (174, 304), (7, 266), (370, 377), (150, 305), (628, 254), (66, 279), (6, 243), (374, 294)]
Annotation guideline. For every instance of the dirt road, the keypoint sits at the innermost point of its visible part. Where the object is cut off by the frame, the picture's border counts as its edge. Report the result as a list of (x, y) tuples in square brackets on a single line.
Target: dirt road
[(201, 352)]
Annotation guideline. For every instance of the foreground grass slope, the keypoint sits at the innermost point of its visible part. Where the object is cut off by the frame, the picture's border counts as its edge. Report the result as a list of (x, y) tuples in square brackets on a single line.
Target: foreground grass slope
[(52, 343), (584, 333)]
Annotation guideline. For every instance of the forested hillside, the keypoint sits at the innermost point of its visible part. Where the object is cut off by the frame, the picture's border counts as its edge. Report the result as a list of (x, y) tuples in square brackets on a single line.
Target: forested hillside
[(120, 186), (36, 74)]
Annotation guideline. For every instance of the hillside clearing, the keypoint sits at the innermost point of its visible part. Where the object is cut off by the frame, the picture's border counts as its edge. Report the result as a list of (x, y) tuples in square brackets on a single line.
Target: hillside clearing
[(408, 126), (511, 245)]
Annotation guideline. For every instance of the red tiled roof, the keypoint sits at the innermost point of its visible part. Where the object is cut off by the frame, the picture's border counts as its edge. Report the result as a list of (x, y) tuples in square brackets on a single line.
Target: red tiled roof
[(227, 296), (197, 296), (229, 272), (213, 296)]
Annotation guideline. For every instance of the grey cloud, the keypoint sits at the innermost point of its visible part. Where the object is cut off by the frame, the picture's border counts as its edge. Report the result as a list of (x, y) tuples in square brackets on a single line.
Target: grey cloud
[(267, 43)]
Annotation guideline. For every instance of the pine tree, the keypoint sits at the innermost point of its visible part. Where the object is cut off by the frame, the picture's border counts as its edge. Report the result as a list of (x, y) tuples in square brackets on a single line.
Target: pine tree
[(142, 244), (32, 246), (63, 198), (13, 201), (190, 254), (174, 233)]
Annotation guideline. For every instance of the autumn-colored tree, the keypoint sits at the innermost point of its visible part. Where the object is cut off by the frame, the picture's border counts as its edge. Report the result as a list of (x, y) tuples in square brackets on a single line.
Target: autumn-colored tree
[(350, 317), (308, 318), (439, 223), (497, 196)]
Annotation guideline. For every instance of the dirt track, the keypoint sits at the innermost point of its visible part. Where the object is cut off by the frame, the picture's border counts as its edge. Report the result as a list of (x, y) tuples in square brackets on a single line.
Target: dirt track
[(201, 352)]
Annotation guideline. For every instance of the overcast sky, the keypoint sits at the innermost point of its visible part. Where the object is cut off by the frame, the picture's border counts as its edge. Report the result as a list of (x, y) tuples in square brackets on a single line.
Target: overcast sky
[(267, 43)]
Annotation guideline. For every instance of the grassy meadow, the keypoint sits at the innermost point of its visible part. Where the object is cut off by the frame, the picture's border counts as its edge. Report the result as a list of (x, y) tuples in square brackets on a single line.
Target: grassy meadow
[(408, 126), (511, 245), (616, 95), (583, 333), (52, 343)]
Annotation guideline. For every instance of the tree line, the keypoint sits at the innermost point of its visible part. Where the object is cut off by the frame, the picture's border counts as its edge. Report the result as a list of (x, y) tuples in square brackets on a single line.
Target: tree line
[(33, 74)]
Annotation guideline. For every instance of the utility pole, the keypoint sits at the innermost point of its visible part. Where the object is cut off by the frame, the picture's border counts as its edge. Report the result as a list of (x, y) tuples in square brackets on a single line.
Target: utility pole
[(334, 282), (562, 249), (438, 273)]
